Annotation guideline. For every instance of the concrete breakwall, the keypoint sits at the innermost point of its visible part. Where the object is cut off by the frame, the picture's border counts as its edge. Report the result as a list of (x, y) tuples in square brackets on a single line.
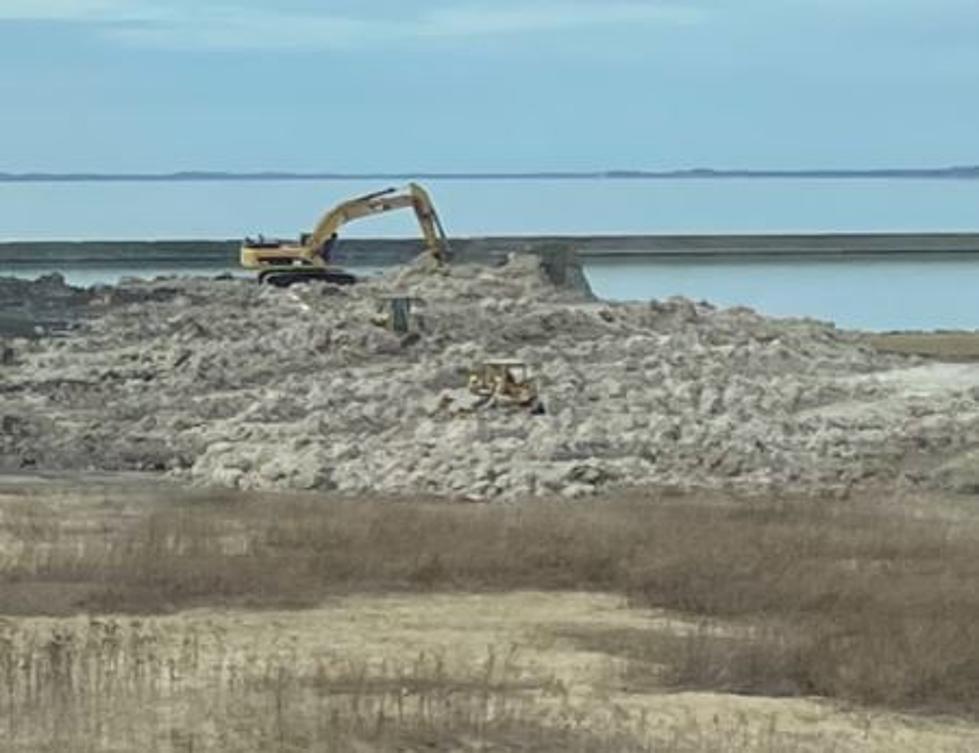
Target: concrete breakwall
[(385, 251)]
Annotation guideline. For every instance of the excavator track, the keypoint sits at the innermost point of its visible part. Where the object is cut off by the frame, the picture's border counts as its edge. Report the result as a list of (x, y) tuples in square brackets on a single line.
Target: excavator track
[(287, 278)]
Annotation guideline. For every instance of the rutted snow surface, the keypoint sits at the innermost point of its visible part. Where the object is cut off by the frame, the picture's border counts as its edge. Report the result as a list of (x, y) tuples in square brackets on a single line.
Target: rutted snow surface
[(225, 382)]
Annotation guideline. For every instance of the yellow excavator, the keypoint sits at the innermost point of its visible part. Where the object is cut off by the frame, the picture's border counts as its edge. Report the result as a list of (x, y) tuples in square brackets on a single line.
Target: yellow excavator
[(283, 263)]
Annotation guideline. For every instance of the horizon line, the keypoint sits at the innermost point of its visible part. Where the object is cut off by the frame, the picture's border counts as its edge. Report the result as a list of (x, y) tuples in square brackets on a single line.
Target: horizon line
[(962, 171)]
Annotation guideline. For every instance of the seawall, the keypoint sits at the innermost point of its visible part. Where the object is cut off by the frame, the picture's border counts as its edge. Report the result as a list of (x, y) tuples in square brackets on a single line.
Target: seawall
[(384, 250)]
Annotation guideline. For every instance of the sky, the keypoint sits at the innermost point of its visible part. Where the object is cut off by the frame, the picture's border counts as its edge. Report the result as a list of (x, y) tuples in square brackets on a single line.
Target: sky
[(486, 85)]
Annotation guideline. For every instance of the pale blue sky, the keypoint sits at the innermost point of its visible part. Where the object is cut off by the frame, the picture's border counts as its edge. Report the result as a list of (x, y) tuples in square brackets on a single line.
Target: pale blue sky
[(440, 85)]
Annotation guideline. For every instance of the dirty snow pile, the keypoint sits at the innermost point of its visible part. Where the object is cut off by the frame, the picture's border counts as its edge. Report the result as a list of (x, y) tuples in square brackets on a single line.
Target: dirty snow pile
[(229, 383)]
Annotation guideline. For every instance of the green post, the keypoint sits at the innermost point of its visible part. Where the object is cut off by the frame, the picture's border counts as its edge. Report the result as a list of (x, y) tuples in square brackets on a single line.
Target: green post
[(400, 309)]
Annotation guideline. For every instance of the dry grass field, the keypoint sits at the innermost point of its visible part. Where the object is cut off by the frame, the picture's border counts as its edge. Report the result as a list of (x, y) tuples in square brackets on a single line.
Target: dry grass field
[(946, 346), (149, 618)]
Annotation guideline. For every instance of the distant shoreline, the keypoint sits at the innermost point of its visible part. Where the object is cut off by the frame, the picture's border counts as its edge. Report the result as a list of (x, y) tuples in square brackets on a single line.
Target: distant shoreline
[(949, 173)]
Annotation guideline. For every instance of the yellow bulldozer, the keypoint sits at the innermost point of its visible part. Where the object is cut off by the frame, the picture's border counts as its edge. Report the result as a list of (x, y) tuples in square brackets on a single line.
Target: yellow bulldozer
[(283, 263), (505, 382)]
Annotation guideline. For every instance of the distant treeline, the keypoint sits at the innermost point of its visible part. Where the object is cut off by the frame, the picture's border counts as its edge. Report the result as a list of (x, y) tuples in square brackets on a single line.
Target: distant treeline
[(956, 173)]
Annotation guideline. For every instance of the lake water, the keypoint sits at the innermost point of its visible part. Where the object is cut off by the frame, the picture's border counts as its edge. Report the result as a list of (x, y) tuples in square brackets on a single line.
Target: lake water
[(937, 292), (871, 293), (233, 209)]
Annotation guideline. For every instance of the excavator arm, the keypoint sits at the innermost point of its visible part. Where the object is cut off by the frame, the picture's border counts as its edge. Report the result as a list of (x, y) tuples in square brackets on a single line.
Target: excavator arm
[(389, 200)]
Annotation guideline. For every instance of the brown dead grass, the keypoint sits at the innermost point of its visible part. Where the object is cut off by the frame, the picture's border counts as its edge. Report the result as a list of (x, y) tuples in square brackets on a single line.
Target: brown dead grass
[(110, 685), (846, 600), (946, 346)]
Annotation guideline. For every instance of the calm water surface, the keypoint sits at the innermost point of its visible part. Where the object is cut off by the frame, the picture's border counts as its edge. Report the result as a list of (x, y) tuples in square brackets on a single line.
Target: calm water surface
[(233, 209), (865, 293)]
